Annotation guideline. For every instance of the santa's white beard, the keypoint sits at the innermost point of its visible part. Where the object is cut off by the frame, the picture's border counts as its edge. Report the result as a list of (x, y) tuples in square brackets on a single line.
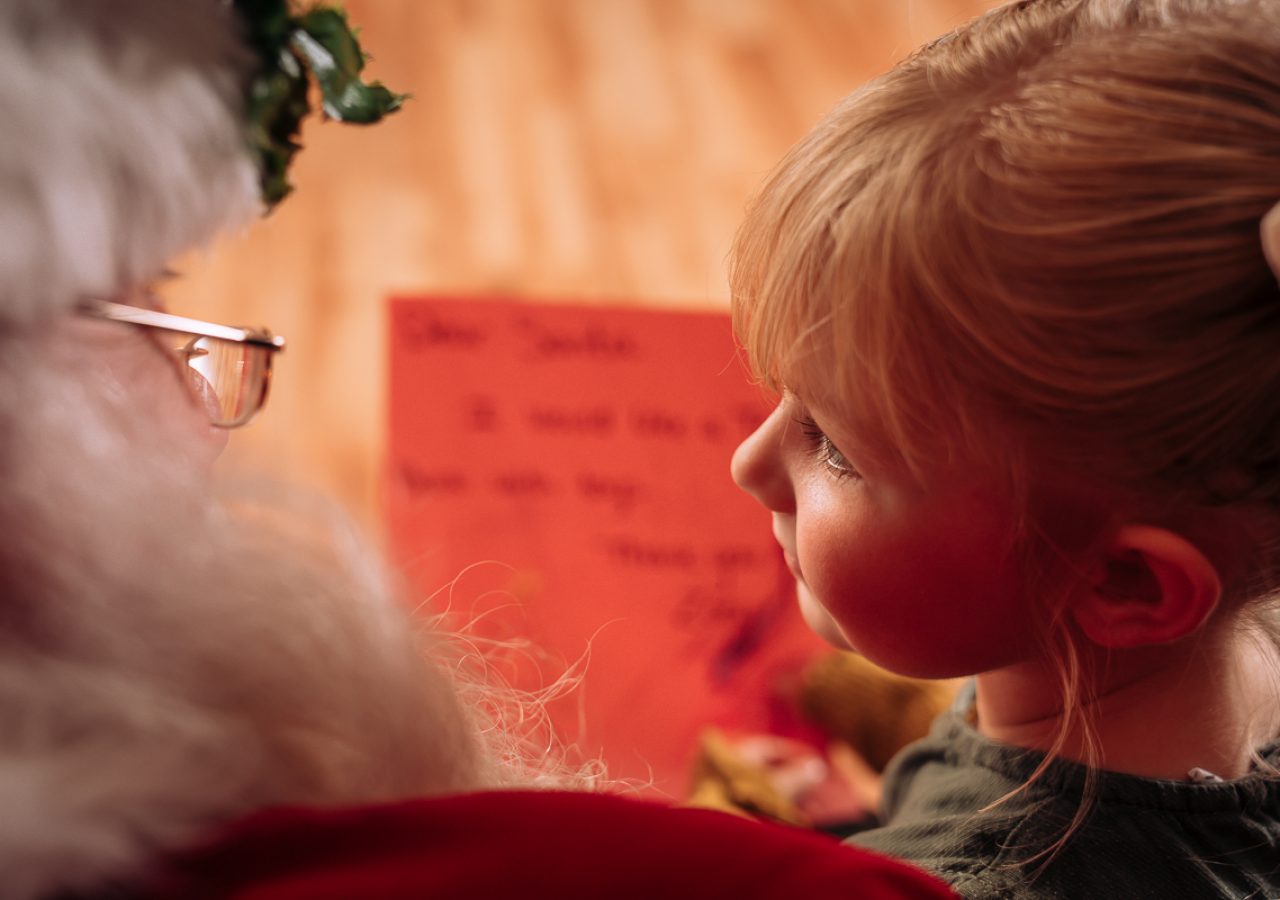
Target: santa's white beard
[(172, 656)]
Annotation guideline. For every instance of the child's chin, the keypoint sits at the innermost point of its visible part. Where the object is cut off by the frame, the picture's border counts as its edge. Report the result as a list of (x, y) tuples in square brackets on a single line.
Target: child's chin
[(819, 620)]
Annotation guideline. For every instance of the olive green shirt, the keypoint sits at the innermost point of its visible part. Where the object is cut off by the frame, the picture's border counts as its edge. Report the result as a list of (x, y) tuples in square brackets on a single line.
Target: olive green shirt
[(1141, 838)]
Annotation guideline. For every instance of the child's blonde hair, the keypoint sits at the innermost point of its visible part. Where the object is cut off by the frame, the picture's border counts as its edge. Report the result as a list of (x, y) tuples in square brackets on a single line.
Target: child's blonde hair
[(1033, 248)]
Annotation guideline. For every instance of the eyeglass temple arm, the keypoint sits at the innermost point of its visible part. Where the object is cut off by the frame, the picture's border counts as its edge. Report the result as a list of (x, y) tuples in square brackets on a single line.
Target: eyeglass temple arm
[(118, 312)]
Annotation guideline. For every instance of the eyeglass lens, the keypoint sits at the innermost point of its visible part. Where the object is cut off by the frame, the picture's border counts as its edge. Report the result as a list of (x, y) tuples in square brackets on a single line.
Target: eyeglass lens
[(230, 377)]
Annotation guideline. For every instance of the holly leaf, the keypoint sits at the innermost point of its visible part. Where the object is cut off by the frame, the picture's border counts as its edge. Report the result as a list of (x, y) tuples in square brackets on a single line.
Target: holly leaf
[(267, 25), (325, 41), (278, 103), (292, 50)]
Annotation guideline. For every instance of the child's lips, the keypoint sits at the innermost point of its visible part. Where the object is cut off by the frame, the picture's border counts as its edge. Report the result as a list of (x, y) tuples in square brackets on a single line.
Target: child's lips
[(781, 534)]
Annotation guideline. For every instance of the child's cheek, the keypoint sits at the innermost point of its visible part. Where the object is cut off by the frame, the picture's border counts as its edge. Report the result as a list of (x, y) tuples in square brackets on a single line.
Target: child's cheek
[(932, 593)]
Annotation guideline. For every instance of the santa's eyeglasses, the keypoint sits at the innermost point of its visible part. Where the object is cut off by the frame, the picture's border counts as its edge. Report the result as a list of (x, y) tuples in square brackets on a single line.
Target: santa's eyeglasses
[(228, 368)]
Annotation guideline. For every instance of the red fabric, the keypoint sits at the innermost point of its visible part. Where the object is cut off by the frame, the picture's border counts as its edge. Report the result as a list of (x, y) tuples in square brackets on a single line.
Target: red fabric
[(527, 844)]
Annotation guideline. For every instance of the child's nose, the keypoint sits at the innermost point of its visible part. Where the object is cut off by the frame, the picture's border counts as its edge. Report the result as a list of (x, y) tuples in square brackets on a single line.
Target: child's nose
[(758, 466)]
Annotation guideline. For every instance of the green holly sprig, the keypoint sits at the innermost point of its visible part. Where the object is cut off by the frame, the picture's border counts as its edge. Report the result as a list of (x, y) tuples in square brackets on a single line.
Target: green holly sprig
[(318, 43)]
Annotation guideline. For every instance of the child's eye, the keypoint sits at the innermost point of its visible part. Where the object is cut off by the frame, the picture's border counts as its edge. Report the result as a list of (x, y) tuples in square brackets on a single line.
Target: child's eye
[(826, 452)]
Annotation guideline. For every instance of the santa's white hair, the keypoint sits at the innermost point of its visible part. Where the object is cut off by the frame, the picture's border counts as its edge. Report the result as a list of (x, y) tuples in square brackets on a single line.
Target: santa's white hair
[(124, 143), (171, 655)]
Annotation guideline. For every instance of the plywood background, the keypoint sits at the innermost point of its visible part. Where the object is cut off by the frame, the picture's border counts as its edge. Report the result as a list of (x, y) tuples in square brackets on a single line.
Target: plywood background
[(587, 150)]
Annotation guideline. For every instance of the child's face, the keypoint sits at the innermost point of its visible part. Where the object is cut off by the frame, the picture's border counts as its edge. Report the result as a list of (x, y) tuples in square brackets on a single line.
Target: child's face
[(920, 580)]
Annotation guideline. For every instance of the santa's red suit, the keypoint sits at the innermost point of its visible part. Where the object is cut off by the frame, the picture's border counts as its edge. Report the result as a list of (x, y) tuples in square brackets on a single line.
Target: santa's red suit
[(528, 844)]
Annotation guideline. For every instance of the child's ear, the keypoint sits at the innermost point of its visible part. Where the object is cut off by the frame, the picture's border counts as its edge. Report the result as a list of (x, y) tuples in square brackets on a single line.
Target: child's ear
[(1150, 586)]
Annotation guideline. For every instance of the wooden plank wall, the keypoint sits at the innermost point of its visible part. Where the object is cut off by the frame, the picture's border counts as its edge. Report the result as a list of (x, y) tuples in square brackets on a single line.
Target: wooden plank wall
[(583, 150)]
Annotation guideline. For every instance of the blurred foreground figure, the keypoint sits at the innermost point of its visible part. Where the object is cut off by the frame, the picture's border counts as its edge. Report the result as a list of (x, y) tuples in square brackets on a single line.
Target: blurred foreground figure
[(210, 694), (170, 657)]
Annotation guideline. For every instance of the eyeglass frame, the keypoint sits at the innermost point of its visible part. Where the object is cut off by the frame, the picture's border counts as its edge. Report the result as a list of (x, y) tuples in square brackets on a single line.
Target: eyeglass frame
[(153, 318)]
